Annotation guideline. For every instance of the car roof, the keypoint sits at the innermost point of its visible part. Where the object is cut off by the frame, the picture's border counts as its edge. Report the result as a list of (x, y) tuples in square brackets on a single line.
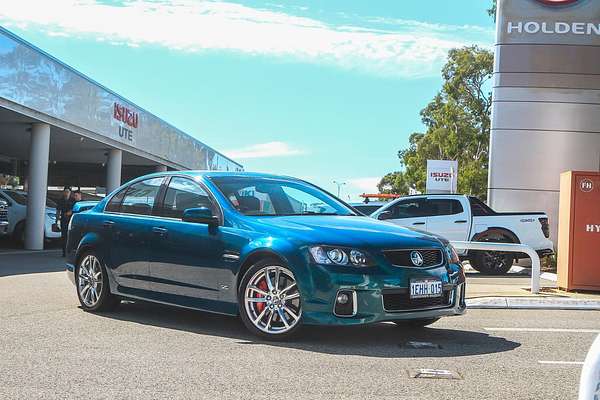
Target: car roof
[(219, 174)]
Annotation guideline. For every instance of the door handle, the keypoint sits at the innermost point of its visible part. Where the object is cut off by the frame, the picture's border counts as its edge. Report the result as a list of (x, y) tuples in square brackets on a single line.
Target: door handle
[(461, 221), (160, 231), (418, 223), (108, 224)]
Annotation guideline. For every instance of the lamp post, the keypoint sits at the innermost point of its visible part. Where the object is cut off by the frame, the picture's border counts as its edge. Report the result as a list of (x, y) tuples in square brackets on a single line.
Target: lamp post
[(339, 187)]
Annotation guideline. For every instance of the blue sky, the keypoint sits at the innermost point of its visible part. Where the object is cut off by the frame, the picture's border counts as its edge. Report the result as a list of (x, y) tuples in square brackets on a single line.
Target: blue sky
[(323, 90)]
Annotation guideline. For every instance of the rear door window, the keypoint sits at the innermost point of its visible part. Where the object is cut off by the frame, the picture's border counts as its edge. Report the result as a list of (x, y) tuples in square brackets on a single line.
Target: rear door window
[(437, 207), (114, 204), (413, 208), (141, 196)]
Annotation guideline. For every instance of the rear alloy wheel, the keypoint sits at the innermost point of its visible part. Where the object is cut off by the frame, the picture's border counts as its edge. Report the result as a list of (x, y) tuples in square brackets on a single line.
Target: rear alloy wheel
[(92, 285), (270, 302)]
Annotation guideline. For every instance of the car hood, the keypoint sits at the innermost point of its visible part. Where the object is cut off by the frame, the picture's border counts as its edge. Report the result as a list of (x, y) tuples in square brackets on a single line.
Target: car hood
[(357, 231)]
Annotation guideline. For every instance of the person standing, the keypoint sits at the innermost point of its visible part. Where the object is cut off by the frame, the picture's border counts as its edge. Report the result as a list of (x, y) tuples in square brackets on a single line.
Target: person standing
[(76, 196), (64, 206)]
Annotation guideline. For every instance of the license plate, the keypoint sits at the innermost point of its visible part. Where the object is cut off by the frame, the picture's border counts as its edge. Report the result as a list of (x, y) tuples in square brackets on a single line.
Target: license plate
[(422, 288)]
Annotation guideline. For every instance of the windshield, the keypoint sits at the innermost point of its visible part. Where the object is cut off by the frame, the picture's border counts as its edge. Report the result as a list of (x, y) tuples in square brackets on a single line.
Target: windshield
[(21, 198), (277, 197)]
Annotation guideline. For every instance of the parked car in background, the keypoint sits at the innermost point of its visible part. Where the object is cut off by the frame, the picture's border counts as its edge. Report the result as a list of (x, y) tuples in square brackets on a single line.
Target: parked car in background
[(82, 206), (368, 208), (466, 218), (3, 217), (16, 214), (275, 250)]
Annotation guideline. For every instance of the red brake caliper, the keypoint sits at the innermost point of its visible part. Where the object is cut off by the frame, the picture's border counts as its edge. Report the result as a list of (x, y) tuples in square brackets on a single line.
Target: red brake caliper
[(262, 285)]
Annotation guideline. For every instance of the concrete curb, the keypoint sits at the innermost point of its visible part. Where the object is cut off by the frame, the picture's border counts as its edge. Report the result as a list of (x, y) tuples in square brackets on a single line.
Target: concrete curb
[(539, 303)]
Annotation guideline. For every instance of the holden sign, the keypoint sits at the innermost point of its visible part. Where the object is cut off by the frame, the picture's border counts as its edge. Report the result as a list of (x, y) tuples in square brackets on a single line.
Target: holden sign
[(442, 176), (557, 2)]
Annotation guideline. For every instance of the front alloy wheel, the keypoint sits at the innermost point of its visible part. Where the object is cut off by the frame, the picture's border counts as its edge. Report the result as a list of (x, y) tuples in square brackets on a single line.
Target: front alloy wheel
[(271, 303)]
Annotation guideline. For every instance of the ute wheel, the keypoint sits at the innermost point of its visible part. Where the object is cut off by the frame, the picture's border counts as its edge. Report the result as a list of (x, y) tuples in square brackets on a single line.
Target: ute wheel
[(415, 323), (19, 233), (269, 300), (91, 281), (492, 262)]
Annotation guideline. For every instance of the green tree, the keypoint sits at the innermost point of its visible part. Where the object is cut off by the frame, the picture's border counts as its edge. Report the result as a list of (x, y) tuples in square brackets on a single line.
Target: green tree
[(492, 10), (458, 126)]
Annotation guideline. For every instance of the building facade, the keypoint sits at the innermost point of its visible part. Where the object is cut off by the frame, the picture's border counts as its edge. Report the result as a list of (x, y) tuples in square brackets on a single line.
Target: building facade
[(546, 101), (53, 118)]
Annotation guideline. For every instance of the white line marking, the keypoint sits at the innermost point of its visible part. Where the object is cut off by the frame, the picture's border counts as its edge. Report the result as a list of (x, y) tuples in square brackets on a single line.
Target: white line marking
[(561, 362), (543, 330)]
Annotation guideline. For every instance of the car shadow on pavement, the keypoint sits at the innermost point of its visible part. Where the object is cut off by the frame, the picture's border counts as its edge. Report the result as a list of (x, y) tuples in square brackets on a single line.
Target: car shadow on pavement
[(375, 340), (24, 262)]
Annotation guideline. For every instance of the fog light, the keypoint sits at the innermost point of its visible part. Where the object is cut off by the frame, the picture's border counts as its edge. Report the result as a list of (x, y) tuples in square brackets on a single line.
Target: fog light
[(345, 303), (342, 298)]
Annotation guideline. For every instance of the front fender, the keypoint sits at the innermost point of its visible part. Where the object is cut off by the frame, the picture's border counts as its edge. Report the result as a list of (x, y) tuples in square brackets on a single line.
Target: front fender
[(294, 256)]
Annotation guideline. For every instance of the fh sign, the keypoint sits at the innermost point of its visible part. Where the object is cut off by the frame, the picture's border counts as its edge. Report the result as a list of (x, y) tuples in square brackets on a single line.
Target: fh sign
[(579, 231), (442, 176)]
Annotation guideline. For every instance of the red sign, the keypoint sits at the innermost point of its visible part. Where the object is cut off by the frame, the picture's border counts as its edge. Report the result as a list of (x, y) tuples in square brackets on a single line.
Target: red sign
[(557, 2), (579, 231), (124, 114)]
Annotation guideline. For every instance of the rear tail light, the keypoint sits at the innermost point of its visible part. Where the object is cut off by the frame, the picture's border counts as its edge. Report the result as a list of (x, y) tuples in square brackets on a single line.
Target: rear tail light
[(545, 226)]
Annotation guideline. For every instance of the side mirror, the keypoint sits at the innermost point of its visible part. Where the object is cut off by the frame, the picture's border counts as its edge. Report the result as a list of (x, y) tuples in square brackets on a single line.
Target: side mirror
[(385, 215), (200, 215)]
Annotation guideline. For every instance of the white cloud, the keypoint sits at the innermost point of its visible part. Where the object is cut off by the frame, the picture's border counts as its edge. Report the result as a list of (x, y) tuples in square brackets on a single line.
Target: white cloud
[(264, 150), (407, 49), (366, 185)]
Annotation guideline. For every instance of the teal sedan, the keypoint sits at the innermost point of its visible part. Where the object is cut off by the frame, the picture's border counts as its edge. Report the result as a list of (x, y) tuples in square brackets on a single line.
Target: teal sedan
[(277, 251)]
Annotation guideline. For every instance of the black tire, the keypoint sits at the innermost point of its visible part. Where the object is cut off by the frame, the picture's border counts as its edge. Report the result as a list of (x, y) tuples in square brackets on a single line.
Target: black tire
[(492, 262), (19, 234), (244, 312), (106, 301), (416, 323)]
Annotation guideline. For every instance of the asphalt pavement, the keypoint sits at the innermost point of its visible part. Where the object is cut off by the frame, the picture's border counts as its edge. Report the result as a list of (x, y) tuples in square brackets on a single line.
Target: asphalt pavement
[(51, 349)]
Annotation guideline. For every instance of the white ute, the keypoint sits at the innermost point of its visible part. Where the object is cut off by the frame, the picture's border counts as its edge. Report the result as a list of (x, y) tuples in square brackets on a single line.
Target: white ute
[(466, 218), (13, 212)]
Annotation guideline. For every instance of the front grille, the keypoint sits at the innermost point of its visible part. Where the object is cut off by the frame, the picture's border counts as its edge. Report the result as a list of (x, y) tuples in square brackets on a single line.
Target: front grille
[(402, 258), (3, 214), (393, 301)]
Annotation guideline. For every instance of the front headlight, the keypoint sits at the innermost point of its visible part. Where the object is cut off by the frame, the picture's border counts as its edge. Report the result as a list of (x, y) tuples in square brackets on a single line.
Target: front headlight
[(330, 255), (452, 254), (52, 216)]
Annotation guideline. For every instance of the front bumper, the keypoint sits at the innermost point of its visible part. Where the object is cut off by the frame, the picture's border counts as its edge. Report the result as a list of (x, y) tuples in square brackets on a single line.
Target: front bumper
[(381, 297)]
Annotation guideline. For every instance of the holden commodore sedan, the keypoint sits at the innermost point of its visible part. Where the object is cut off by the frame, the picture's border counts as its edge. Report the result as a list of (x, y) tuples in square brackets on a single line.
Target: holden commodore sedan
[(277, 251)]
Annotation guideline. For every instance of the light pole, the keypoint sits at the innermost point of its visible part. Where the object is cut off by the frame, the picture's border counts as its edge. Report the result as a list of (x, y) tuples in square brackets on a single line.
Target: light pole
[(339, 187)]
